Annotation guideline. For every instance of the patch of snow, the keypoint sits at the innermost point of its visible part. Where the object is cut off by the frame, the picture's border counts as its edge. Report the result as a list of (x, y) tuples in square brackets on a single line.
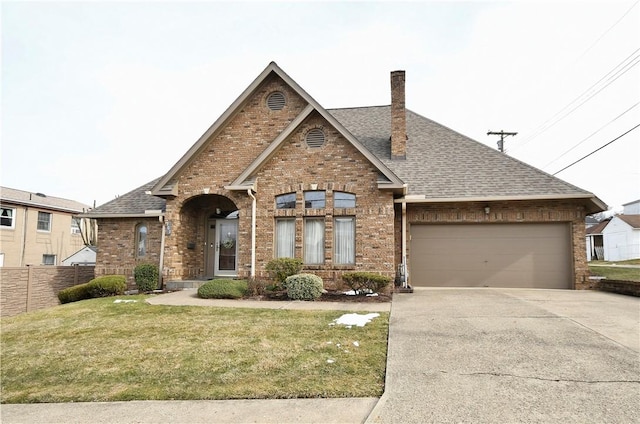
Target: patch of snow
[(372, 295), (124, 301), (356, 344), (356, 319), (357, 292), (330, 361)]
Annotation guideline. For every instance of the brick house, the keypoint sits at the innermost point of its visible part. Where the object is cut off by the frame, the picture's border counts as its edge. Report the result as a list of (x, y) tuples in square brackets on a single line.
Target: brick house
[(378, 189)]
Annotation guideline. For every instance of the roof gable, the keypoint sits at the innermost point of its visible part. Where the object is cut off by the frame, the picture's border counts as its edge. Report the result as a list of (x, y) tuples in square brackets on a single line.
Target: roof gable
[(166, 184)]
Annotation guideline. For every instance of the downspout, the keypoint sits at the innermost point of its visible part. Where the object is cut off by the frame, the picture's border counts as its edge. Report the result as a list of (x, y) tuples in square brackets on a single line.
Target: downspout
[(405, 281), (161, 264), (253, 233)]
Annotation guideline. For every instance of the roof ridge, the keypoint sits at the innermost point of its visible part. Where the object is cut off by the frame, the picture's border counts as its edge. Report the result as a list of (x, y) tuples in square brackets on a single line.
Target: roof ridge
[(357, 107)]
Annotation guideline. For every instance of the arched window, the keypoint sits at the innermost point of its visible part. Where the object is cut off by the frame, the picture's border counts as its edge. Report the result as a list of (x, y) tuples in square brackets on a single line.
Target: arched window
[(141, 240)]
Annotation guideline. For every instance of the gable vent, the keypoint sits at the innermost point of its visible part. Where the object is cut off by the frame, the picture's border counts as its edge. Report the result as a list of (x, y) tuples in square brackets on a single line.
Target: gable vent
[(276, 101), (315, 138)]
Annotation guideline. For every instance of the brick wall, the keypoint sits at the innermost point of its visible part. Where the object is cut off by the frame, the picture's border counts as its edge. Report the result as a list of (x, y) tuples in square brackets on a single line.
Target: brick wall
[(24, 289), (117, 253), (506, 212)]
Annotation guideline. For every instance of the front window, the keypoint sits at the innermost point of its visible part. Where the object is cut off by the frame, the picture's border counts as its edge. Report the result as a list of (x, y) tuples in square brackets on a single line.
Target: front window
[(44, 221), (141, 240), (286, 201), (48, 259), (314, 240), (7, 218), (344, 200), (285, 238), (344, 241), (314, 199)]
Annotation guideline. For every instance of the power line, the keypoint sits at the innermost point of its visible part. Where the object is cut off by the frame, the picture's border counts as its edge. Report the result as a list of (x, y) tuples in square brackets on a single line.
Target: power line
[(608, 78), (591, 135), (598, 149)]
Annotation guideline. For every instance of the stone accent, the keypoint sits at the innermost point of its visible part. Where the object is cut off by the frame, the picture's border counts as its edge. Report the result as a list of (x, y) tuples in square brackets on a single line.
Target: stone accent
[(398, 116), (629, 288), (31, 288), (504, 212)]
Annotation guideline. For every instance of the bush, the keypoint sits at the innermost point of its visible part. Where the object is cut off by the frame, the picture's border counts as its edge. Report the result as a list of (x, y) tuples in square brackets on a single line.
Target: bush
[(74, 293), (281, 268), (223, 289), (146, 276), (304, 287), (256, 287), (365, 282), (108, 285)]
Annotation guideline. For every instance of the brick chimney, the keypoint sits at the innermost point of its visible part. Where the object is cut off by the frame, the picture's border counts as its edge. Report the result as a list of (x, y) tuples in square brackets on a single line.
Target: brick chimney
[(398, 117)]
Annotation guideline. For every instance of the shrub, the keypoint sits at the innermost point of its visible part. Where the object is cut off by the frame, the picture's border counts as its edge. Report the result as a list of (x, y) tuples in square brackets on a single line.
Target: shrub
[(256, 287), (363, 282), (281, 268), (108, 285), (304, 287), (146, 277), (74, 293), (223, 289)]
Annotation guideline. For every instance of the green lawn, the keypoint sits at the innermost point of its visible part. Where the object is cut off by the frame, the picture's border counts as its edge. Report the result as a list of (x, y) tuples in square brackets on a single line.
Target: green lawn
[(614, 272), (96, 350)]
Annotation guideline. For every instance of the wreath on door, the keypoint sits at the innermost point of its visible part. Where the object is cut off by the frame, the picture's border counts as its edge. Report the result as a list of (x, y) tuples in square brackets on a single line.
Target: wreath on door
[(228, 243)]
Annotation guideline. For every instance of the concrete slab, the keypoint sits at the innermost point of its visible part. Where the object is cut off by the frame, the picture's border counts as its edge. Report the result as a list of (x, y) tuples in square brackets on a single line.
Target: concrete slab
[(499, 355)]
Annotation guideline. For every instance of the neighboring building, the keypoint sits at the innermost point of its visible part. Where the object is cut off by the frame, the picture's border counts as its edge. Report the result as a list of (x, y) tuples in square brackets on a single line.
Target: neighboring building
[(595, 241), (377, 189), (631, 208), (36, 229), (85, 257), (621, 238)]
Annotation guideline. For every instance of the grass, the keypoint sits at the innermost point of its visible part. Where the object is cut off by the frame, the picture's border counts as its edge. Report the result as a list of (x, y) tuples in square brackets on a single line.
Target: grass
[(96, 350), (614, 272)]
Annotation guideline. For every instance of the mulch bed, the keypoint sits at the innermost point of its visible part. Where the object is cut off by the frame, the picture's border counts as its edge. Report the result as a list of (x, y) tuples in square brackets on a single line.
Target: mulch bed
[(333, 297)]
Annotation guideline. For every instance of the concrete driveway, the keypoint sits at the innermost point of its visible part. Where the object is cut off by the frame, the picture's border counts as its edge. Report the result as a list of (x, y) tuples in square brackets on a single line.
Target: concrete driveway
[(512, 355)]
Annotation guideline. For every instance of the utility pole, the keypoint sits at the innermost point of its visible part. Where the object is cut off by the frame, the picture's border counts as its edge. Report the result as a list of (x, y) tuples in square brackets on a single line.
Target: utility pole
[(502, 135)]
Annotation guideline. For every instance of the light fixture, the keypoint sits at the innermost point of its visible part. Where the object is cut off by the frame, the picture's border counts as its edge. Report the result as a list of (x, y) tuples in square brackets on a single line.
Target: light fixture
[(487, 209)]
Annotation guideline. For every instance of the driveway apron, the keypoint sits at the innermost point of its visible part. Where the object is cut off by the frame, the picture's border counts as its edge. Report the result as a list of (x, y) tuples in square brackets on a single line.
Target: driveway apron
[(512, 355)]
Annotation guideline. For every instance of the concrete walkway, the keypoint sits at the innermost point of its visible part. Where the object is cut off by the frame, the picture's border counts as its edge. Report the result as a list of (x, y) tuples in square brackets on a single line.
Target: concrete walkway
[(455, 355)]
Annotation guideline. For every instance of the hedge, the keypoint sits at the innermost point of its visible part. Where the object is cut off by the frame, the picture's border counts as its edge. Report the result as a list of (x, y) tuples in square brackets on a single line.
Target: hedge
[(365, 282), (304, 287), (108, 285), (223, 289)]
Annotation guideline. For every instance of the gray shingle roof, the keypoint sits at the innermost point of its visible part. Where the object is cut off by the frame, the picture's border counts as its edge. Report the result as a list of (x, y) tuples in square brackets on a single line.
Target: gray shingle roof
[(134, 203), (442, 163), (21, 197)]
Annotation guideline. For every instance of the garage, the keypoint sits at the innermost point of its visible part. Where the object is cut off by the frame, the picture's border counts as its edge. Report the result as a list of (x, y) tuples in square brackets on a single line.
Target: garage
[(491, 255)]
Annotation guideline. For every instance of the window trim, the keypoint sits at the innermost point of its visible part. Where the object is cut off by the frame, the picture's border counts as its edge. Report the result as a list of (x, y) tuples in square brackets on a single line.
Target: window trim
[(77, 226), (13, 218), (49, 222)]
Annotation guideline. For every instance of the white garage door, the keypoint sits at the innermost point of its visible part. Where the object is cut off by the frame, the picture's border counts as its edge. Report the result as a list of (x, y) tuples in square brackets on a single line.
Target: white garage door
[(491, 255)]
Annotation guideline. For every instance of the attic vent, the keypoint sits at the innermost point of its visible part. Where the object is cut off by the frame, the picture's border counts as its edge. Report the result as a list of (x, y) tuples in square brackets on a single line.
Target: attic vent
[(276, 101), (315, 138)]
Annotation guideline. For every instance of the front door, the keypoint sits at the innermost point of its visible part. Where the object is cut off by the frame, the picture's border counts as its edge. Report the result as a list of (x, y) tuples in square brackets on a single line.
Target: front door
[(226, 247)]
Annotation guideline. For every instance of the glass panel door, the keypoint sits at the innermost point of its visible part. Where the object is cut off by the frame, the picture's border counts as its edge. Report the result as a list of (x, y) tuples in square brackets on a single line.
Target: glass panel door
[(226, 247)]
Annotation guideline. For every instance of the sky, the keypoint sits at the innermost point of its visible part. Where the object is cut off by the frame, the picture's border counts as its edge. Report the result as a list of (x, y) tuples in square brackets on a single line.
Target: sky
[(98, 98)]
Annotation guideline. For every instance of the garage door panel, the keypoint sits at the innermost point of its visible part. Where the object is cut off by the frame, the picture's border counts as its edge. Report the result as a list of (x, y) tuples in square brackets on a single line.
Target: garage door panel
[(494, 255)]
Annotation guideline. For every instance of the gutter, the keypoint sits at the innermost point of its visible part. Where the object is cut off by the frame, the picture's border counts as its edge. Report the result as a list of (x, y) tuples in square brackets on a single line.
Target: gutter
[(253, 233)]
